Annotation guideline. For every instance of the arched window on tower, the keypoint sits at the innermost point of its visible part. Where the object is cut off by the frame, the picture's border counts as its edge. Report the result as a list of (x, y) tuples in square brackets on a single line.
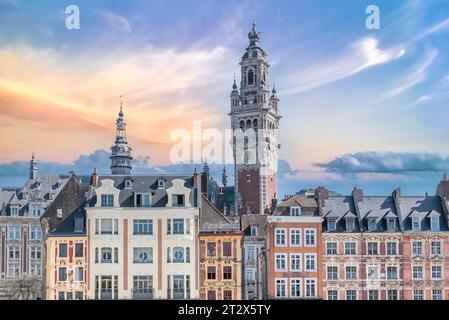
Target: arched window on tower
[(248, 124), (255, 100), (242, 125), (250, 77), (255, 124)]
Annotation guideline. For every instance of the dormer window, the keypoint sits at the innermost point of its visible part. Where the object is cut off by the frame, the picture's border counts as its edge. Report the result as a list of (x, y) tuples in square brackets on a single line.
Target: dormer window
[(178, 200), (161, 184), (372, 224), (416, 223), (391, 224), (435, 223), (35, 211), (14, 211), (331, 224), (107, 200), (295, 211), (350, 224), (128, 184), (143, 200), (253, 231)]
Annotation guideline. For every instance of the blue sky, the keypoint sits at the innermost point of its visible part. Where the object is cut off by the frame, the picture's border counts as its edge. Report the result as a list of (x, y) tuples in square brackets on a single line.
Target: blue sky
[(349, 96)]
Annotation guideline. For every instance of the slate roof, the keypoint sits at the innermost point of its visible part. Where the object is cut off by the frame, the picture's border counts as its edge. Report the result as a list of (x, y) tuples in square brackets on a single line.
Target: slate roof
[(422, 206), (248, 220), (308, 204), (212, 220), (144, 183)]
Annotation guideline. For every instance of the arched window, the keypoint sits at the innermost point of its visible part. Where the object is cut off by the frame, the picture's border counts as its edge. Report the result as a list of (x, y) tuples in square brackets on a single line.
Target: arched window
[(255, 100), (250, 77), (255, 123), (248, 124), (187, 254), (245, 101), (242, 125), (178, 254)]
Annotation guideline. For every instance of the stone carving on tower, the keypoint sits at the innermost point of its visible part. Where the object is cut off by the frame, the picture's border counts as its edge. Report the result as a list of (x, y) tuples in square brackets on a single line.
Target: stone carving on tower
[(120, 151), (255, 122)]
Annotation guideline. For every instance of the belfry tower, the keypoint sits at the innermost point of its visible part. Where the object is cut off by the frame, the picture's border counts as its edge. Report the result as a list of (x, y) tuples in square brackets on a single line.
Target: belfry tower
[(120, 150), (255, 122)]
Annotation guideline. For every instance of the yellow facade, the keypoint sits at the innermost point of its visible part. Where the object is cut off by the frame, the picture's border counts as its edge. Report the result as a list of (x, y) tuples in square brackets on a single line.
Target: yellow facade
[(66, 270), (220, 266)]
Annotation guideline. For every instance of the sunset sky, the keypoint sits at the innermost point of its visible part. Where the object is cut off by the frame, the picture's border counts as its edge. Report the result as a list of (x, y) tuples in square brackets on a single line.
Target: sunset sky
[(359, 107)]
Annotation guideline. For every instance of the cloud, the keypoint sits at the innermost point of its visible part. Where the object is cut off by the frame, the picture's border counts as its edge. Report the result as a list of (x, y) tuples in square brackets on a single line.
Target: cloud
[(387, 162), (117, 22), (441, 26), (360, 55), (418, 75)]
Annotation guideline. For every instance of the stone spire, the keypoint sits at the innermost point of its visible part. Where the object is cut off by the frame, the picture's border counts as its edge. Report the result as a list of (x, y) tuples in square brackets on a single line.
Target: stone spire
[(120, 150), (33, 167), (224, 177)]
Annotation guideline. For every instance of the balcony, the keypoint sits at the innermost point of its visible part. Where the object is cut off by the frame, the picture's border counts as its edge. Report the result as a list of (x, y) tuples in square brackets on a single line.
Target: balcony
[(143, 294)]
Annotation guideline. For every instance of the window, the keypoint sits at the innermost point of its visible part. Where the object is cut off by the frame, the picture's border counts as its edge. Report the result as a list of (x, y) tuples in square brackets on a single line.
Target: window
[(14, 252), (392, 272), (417, 248), (227, 294), (253, 231), (350, 248), (161, 184), (436, 272), (142, 226), (178, 226), (281, 262), (178, 200), (250, 254), (35, 252), (437, 294), (227, 272), (351, 272), (295, 262), (250, 77), (106, 255), (331, 248), (373, 273), (332, 273), (211, 249), (310, 261), (310, 288), (79, 295), (178, 254), (392, 294), (63, 250), (211, 273), (310, 237), (35, 211), (79, 250), (35, 233), (435, 247), (250, 276), (295, 288), (143, 200), (248, 176), (435, 223), (372, 248), (373, 295), (372, 224), (143, 255), (211, 295), (351, 295), (61, 295), (331, 224), (281, 286), (295, 237), (295, 211), (280, 236), (391, 248), (227, 249), (79, 273), (107, 200), (418, 295), (13, 233), (416, 223), (332, 295), (350, 224), (106, 226), (14, 211), (36, 269), (62, 274), (417, 272), (391, 224)]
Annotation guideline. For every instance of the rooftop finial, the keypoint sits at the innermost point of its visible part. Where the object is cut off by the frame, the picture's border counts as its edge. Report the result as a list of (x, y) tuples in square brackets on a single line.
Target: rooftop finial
[(121, 106)]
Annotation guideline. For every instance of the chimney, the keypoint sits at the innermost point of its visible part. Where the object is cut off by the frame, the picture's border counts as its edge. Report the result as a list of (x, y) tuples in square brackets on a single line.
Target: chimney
[(397, 194), (321, 194), (274, 204), (443, 187), (94, 178), (357, 194)]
